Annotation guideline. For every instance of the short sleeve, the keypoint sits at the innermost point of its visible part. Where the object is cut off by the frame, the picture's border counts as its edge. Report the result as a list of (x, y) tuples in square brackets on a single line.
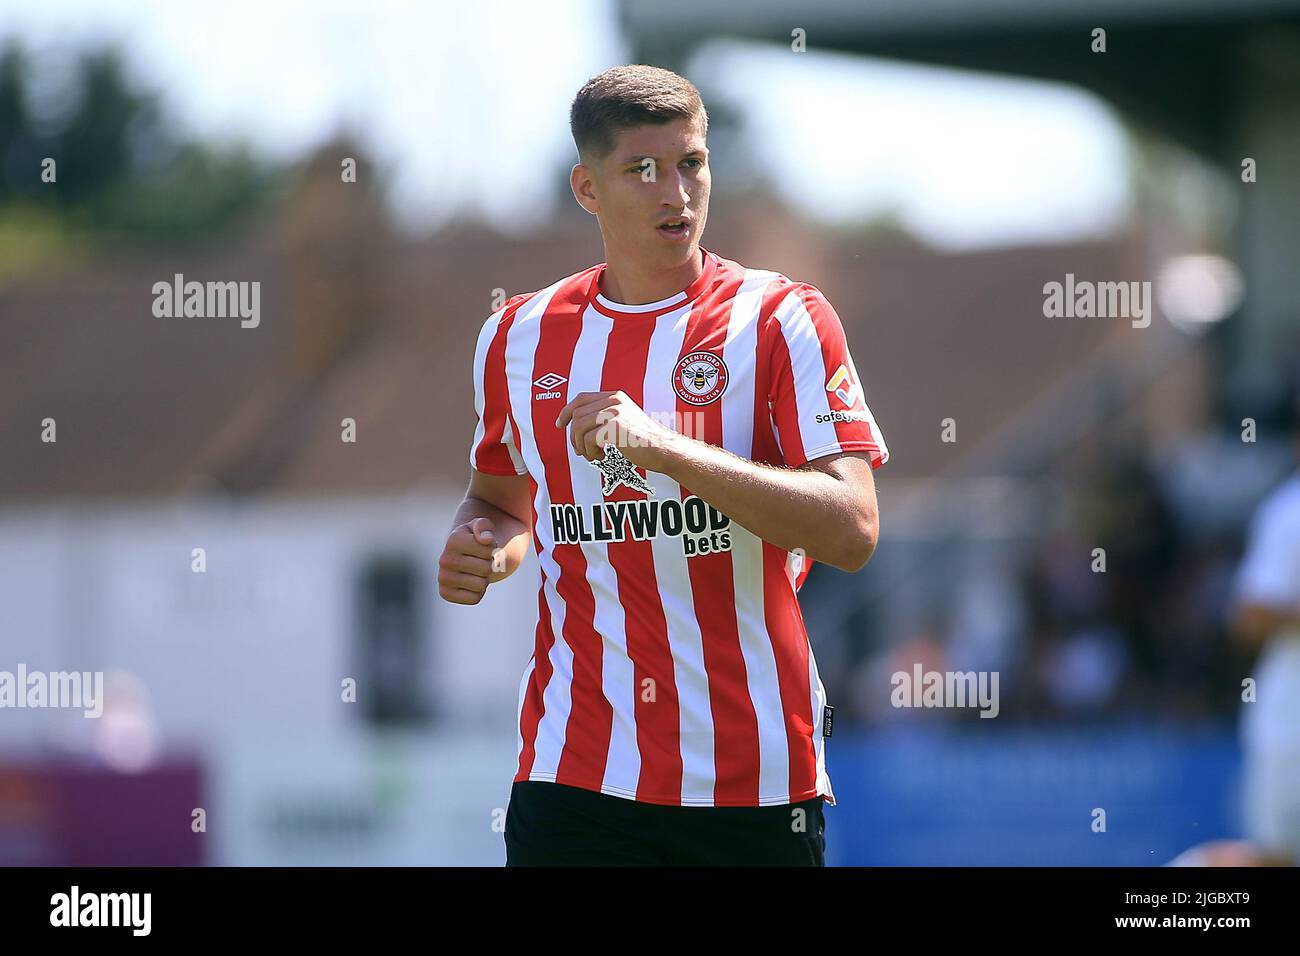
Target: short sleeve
[(1270, 570), (817, 399), (494, 450)]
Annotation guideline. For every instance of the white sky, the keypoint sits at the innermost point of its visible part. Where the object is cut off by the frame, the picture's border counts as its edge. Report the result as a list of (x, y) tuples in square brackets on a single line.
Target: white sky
[(465, 106)]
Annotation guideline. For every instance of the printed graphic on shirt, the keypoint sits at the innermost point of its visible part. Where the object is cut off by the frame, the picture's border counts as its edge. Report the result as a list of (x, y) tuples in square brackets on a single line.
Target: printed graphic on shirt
[(702, 528), (549, 383), (615, 470), (843, 387), (701, 378)]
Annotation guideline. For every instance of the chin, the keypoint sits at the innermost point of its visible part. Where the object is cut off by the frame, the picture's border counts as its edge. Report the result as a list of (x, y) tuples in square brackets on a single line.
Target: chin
[(676, 255)]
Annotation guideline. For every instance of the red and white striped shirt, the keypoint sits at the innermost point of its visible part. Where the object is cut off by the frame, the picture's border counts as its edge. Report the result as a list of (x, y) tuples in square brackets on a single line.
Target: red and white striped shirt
[(671, 663)]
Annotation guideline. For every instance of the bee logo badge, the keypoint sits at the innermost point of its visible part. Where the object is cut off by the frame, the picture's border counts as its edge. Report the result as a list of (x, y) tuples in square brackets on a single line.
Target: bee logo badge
[(700, 378)]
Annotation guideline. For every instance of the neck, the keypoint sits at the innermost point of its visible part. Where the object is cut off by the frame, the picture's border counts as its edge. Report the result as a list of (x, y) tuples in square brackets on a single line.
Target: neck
[(628, 281)]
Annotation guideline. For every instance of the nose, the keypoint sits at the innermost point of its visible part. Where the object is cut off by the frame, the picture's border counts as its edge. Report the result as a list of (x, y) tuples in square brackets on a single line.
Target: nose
[(675, 193)]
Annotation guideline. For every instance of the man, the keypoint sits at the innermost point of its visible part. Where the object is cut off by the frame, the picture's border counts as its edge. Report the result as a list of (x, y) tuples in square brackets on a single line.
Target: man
[(677, 435), (1267, 619)]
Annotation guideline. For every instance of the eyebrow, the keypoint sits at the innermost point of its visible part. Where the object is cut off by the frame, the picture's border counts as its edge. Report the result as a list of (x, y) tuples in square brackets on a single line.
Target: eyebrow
[(698, 151)]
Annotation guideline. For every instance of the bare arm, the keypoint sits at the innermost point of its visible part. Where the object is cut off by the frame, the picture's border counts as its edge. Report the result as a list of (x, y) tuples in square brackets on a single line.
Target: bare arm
[(490, 534), (1266, 592), (828, 507), (1253, 624)]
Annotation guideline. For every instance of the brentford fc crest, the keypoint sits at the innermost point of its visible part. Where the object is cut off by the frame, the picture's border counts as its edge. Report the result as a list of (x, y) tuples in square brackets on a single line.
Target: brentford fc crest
[(700, 378)]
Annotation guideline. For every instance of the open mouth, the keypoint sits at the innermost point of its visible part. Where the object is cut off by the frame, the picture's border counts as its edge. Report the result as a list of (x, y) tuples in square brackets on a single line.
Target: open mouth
[(674, 228)]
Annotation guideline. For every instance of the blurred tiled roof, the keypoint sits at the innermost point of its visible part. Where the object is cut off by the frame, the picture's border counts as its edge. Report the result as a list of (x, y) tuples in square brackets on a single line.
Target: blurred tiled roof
[(357, 323)]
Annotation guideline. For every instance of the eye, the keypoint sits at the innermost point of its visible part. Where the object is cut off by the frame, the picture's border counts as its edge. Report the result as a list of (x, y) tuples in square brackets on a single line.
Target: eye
[(640, 169), (697, 162)]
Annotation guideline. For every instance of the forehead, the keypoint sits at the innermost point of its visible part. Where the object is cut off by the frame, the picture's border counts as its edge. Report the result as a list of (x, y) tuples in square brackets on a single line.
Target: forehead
[(658, 139)]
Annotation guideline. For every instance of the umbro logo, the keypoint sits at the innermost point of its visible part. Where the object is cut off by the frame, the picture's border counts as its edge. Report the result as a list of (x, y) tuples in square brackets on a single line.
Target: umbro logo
[(549, 385)]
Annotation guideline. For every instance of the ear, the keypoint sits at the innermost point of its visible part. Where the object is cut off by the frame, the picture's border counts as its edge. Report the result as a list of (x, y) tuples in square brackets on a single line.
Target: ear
[(582, 184)]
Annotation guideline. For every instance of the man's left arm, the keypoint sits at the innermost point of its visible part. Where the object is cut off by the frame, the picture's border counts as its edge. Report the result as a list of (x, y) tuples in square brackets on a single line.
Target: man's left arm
[(827, 507)]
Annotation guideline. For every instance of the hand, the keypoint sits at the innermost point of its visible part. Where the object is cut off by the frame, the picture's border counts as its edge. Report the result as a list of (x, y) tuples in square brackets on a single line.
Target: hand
[(612, 418), (468, 560)]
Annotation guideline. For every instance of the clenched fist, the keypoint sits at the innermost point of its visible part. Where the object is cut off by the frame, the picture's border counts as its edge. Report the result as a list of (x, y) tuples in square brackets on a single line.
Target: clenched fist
[(468, 560)]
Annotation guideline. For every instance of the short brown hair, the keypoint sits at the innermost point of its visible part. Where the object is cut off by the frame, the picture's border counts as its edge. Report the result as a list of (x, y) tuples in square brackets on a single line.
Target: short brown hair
[(627, 96)]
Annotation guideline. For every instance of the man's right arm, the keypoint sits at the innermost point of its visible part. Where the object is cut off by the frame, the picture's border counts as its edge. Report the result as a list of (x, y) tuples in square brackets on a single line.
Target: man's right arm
[(492, 529), (490, 535)]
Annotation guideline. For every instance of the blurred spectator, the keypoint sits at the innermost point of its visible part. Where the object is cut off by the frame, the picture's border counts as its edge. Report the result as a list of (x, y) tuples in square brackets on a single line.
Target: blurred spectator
[(1267, 618), (1148, 637)]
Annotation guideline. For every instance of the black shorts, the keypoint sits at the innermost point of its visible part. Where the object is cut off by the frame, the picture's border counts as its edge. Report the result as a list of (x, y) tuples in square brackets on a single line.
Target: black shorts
[(551, 824)]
